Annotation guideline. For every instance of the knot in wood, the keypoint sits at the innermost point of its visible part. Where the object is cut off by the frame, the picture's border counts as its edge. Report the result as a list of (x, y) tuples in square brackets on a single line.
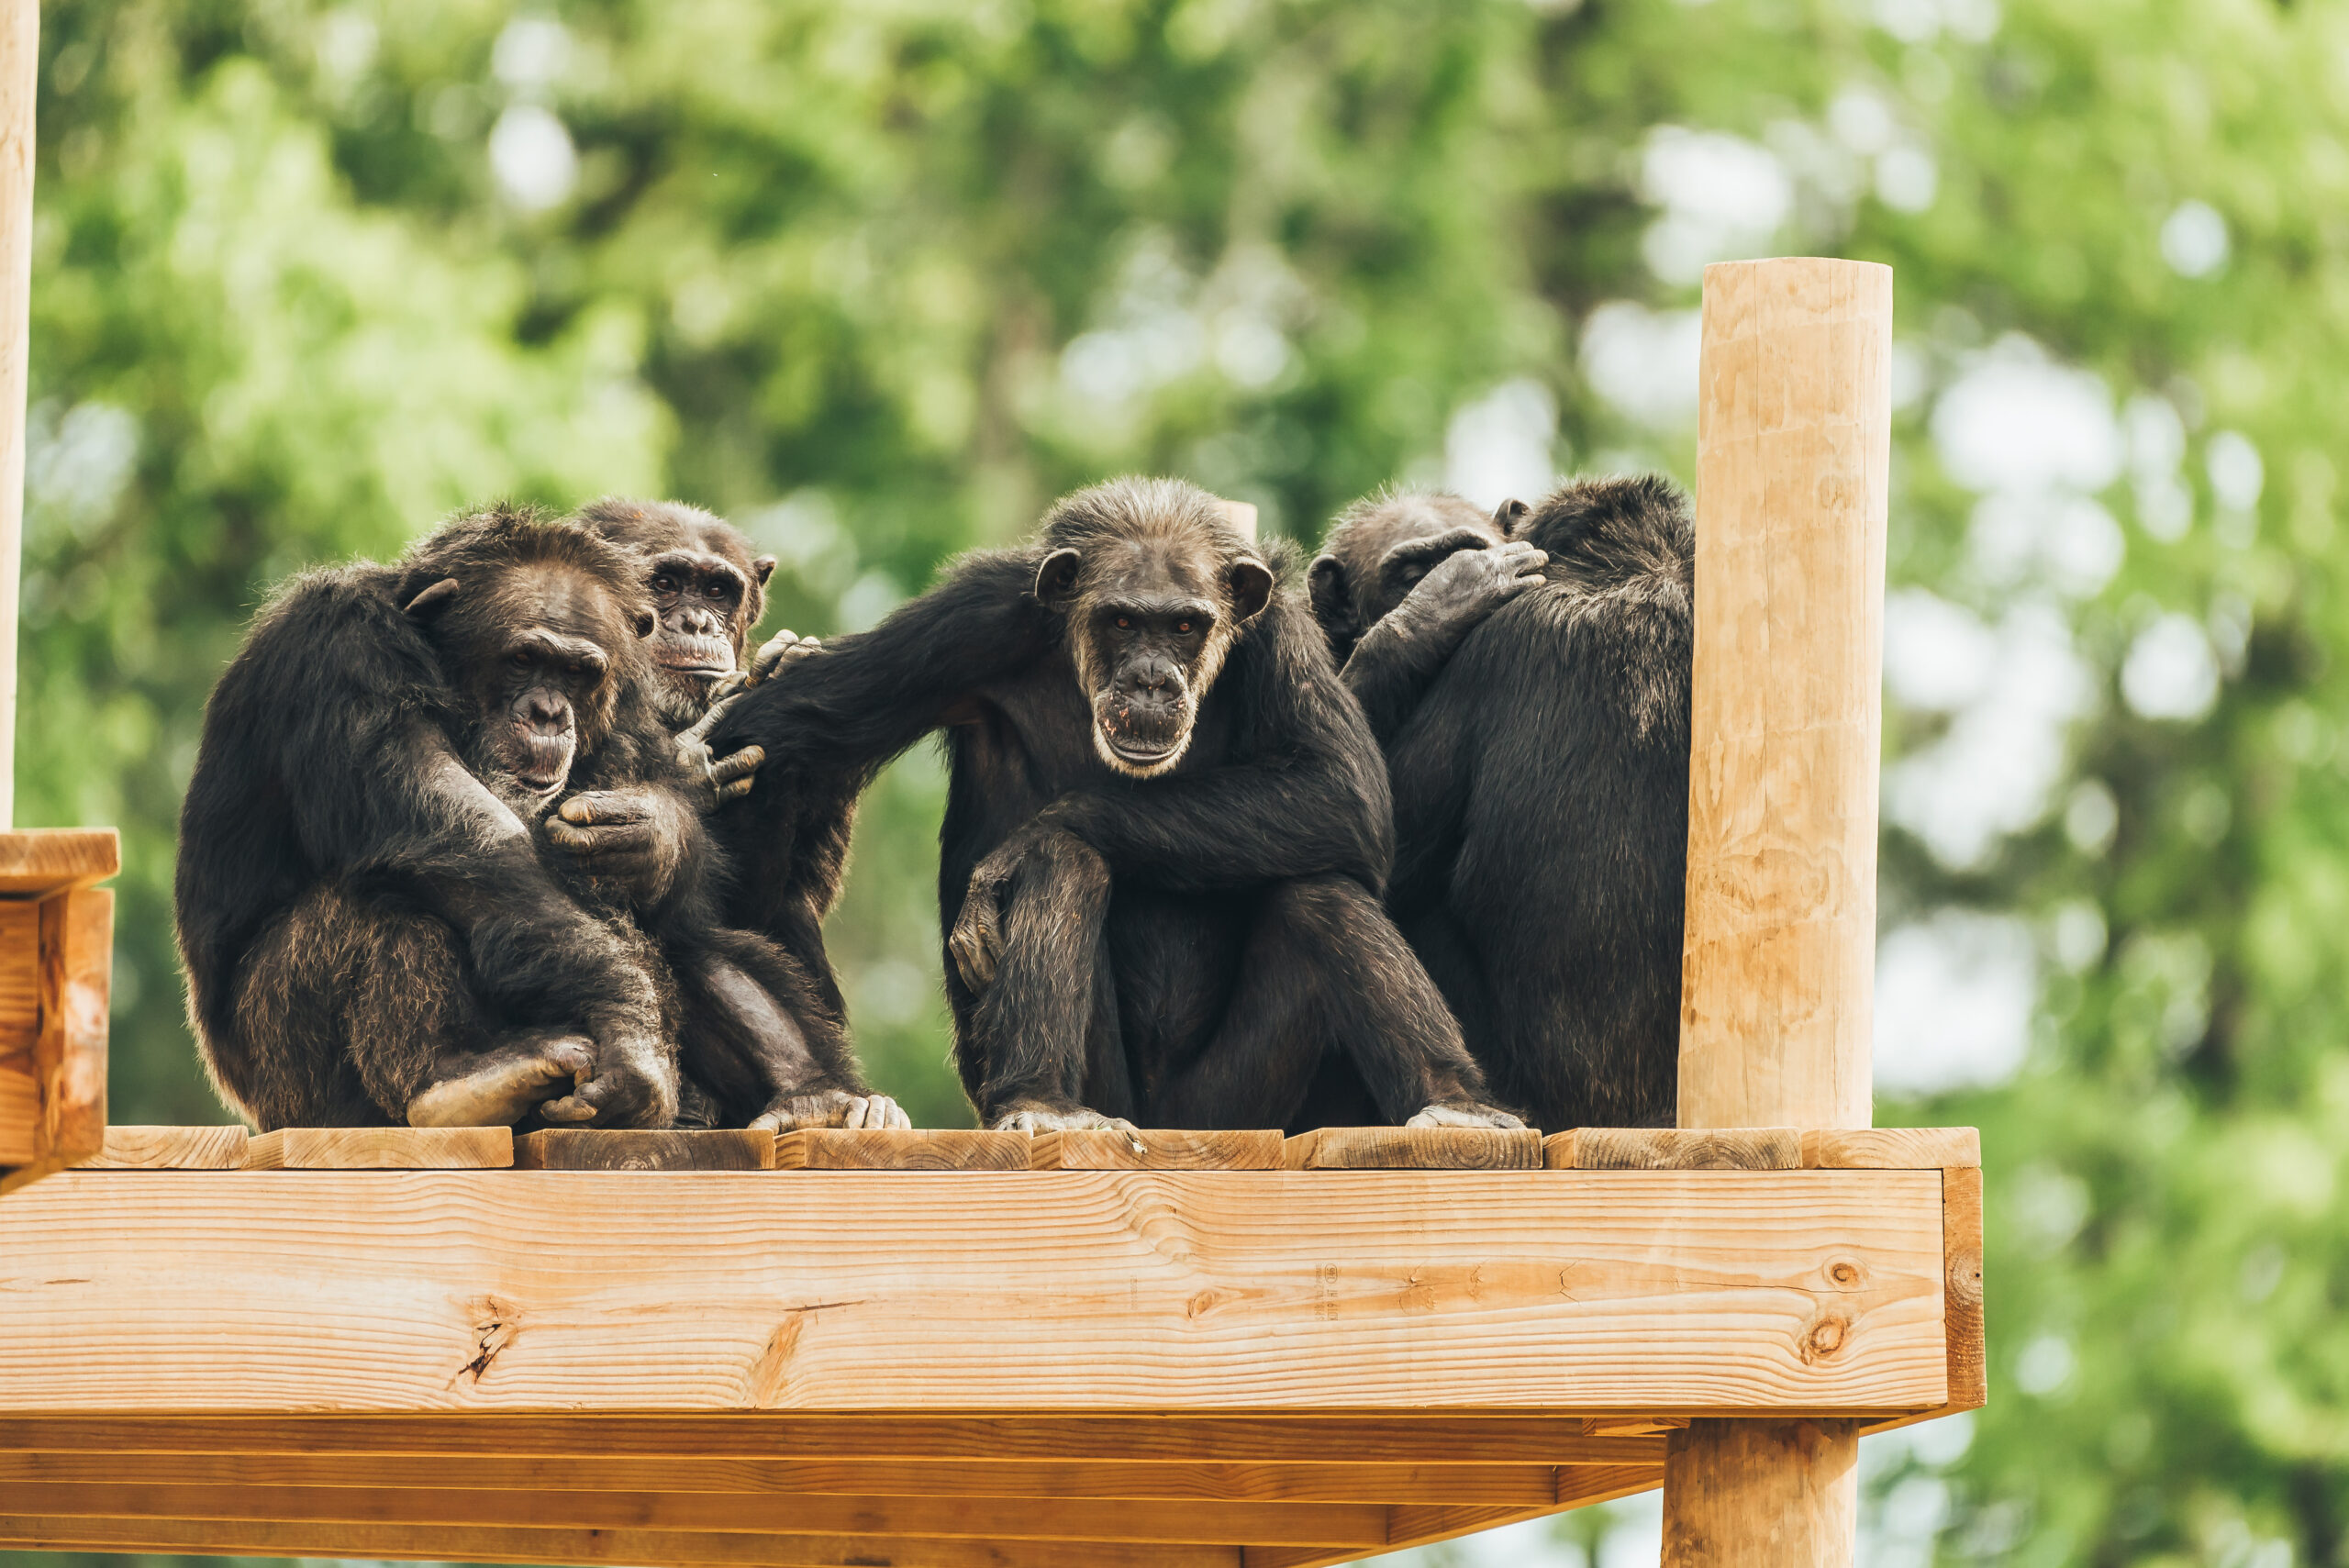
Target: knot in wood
[(1825, 1337), (1844, 1274)]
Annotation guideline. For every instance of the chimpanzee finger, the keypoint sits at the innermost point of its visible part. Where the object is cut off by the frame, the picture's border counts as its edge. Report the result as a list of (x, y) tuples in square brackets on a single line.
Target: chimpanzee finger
[(731, 774), (578, 840), (569, 1109), (604, 805)]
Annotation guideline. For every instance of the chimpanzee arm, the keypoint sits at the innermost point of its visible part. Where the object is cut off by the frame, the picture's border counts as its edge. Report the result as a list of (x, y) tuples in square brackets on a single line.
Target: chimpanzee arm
[(1307, 796), (867, 696), (1391, 667)]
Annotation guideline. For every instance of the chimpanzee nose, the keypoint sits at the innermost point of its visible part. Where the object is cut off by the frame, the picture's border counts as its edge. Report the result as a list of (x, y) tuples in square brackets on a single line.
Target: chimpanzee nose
[(543, 712), (1152, 676)]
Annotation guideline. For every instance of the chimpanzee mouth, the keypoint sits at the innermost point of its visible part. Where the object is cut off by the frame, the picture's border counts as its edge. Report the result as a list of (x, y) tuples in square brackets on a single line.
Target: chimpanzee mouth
[(694, 655), (548, 763)]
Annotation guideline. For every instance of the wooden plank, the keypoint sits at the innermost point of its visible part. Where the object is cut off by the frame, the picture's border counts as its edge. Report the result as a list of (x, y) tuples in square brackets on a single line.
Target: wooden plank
[(590, 1149), (381, 1149), (37, 861), (1631, 1425), (1349, 1438), (70, 1053), (1060, 1292), (1674, 1148), (1961, 1284), (20, 1111), (168, 1149), (1890, 1148), (1414, 1149), (19, 979), (590, 1548), (721, 1513), (922, 1149), (1409, 1527), (1518, 1486), (1161, 1148)]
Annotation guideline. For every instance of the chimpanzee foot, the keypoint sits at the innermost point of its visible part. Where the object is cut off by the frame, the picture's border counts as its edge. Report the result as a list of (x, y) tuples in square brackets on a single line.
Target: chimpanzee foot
[(1033, 1117), (835, 1107), (498, 1088), (1465, 1113), (632, 1085)]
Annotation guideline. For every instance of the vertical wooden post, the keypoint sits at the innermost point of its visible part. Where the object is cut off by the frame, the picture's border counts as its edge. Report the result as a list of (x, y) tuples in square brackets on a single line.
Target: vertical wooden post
[(1793, 448), (19, 62)]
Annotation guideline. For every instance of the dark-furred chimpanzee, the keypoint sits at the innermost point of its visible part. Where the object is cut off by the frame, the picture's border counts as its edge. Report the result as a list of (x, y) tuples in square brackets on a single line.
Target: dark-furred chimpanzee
[(1165, 826), (374, 923), (787, 848), (1528, 674)]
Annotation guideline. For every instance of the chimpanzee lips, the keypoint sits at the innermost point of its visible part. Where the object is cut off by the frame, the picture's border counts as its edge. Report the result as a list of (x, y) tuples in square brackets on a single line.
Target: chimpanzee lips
[(694, 655), (548, 761)]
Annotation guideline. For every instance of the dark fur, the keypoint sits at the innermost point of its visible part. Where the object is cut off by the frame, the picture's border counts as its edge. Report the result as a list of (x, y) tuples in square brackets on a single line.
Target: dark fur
[(1202, 948), (1540, 782)]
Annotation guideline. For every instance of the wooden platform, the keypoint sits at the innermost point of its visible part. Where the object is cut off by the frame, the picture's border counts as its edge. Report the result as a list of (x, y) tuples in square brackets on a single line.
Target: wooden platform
[(935, 1369), (56, 969)]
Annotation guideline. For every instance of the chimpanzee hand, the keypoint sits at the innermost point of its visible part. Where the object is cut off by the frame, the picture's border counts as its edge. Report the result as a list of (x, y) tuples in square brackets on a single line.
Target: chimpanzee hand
[(1464, 587), (500, 1086), (634, 1085), (1033, 1117), (833, 1108), (977, 940), (1465, 1113), (628, 836), (730, 777)]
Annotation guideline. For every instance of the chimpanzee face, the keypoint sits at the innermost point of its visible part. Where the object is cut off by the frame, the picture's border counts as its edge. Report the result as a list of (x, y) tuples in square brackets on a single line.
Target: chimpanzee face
[(1149, 624), (534, 650), (1377, 555), (699, 598)]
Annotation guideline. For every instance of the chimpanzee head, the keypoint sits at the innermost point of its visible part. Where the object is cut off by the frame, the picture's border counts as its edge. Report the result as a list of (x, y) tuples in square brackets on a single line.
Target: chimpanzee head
[(539, 625), (1156, 587), (706, 587), (1382, 545)]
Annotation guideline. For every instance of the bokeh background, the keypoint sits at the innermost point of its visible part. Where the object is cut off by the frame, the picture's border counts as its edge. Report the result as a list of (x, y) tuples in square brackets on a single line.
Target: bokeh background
[(877, 281)]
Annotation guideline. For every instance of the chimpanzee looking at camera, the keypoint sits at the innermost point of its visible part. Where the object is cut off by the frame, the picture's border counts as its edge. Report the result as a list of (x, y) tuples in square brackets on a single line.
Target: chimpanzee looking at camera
[(789, 849), (1165, 826), (1529, 676)]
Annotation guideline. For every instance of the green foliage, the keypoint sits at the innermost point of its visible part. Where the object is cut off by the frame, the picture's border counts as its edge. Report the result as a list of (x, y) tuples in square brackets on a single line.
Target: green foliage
[(878, 281)]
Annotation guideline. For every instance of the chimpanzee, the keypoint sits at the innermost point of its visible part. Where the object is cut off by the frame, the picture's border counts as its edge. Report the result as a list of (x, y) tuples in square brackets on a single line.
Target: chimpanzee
[(374, 924), (1529, 676), (789, 848), (1165, 826)]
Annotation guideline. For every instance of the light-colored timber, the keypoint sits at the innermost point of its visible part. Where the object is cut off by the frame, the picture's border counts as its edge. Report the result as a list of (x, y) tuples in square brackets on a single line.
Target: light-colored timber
[(381, 1149), (1155, 1150), (1414, 1149), (1678, 1292), (593, 1148), (1631, 1425), (38, 862), (168, 1149), (1890, 1148), (487, 1543), (1407, 1526), (1674, 1148), (1794, 439), (19, 979), (922, 1149), (72, 939), (1422, 1438), (19, 67)]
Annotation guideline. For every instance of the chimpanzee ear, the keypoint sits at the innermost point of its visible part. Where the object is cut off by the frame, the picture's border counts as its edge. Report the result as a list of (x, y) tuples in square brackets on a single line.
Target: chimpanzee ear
[(1252, 588), (433, 600), (1333, 606), (762, 568), (1507, 514), (645, 622), (1057, 578)]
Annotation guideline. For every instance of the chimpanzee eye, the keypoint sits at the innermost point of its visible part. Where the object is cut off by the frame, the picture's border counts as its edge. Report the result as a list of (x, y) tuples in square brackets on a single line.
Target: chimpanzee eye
[(521, 658), (1124, 624), (1183, 627), (664, 583)]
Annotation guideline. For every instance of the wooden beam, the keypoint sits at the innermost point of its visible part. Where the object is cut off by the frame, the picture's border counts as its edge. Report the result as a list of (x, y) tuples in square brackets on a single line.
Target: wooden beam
[(1334, 1438), (1674, 1148), (922, 1149), (1064, 1291), (19, 68), (589, 1548), (1890, 1148), (1418, 1527), (1156, 1149), (1512, 1485), (1793, 457), (1413, 1149), (593, 1148), (169, 1149), (69, 1051), (38, 862), (721, 1513), (381, 1149)]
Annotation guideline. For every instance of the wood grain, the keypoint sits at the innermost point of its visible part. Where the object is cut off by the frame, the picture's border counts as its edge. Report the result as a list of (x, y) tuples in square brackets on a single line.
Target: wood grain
[(1763, 1493), (1674, 1148), (37, 861), (1962, 1286), (1414, 1149), (590, 1149), (1033, 1292), (70, 1053), (1890, 1148), (922, 1149), (381, 1149), (1793, 455), (19, 978), (477, 1543), (1509, 1485), (1349, 1437), (1161, 1150), (168, 1149), (1421, 1526), (721, 1513), (20, 1111)]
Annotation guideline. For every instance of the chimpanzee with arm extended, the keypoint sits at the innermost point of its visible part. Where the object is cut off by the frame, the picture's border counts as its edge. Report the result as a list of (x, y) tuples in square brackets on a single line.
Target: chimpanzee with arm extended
[(786, 848), (1529, 676), (1165, 826)]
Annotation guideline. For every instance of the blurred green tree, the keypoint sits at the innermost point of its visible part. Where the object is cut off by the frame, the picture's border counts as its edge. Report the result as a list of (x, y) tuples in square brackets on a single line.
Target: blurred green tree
[(879, 281)]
